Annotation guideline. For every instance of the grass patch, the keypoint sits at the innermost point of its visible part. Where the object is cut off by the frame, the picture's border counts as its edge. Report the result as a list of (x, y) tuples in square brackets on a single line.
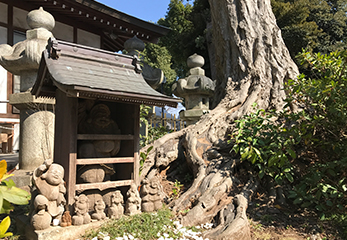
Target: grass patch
[(145, 226)]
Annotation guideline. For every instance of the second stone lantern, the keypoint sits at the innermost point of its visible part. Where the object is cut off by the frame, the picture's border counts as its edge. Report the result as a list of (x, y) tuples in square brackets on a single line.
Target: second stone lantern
[(196, 90)]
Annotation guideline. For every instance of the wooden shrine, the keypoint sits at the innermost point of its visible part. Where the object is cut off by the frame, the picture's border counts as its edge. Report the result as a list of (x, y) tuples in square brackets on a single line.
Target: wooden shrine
[(98, 96)]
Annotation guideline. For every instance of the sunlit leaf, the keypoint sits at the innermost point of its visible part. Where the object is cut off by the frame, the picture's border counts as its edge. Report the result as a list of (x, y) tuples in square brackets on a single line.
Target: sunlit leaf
[(3, 168), (15, 195), (4, 225)]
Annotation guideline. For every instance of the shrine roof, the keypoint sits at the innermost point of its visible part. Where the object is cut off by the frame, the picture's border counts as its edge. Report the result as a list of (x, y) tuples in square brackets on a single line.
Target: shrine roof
[(92, 73), (114, 25)]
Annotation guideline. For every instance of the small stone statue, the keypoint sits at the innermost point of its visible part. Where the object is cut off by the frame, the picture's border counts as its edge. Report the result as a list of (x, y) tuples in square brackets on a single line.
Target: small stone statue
[(133, 204), (150, 195), (116, 210), (81, 207), (99, 210), (41, 219), (66, 219), (48, 180)]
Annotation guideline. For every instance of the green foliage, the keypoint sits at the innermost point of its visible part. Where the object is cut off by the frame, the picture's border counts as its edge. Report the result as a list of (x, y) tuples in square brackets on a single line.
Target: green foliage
[(177, 189), (323, 96), (319, 26), (154, 133), (159, 57), (307, 148), (188, 24), (9, 193), (266, 144), (144, 226)]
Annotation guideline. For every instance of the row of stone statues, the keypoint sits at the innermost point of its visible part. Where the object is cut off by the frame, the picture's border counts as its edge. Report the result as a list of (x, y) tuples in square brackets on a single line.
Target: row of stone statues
[(49, 202)]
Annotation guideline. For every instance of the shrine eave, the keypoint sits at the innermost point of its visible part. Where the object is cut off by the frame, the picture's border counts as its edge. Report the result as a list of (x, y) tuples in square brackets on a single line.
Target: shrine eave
[(92, 73)]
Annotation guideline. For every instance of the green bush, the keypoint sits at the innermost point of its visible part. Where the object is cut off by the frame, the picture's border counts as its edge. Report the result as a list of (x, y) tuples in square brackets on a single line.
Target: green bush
[(307, 147)]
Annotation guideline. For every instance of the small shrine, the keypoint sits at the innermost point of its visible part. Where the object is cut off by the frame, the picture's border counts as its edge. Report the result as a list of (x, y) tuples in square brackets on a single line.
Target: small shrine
[(98, 96), (196, 90)]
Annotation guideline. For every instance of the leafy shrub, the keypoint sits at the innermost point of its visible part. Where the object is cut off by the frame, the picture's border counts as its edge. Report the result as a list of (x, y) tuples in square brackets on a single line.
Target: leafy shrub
[(307, 147), (324, 101), (9, 193), (266, 143)]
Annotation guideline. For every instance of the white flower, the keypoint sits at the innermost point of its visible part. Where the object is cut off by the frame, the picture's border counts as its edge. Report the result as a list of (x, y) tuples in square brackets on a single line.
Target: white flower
[(131, 237)]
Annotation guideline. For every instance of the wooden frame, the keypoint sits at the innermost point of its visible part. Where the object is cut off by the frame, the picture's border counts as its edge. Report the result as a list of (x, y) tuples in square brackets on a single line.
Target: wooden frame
[(66, 144)]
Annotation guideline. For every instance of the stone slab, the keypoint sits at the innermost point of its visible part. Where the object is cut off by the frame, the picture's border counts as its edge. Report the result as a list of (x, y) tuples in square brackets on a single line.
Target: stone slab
[(22, 178), (25, 100), (55, 233), (59, 233)]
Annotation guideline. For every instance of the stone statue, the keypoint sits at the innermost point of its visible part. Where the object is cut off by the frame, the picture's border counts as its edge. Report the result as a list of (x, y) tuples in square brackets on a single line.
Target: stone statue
[(99, 210), (150, 195), (49, 183), (133, 203), (41, 219), (81, 207), (98, 121), (116, 210)]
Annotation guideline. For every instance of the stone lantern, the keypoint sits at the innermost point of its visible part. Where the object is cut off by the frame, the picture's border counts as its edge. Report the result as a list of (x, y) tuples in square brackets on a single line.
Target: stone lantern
[(36, 117), (196, 90)]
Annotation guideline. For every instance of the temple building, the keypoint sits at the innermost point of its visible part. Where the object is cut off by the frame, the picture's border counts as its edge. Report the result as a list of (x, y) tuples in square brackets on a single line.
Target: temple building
[(86, 22)]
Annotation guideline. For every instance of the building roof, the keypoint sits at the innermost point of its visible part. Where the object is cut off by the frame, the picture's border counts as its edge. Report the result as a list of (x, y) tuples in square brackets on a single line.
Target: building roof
[(86, 72), (116, 26)]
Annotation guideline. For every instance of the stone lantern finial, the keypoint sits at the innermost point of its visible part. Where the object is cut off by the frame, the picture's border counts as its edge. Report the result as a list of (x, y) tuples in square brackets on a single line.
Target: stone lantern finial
[(133, 46), (39, 18), (196, 89)]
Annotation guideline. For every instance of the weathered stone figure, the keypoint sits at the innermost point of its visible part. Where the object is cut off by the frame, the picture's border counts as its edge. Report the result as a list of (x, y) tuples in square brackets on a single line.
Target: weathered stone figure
[(81, 207), (98, 121), (133, 203), (99, 210), (150, 195), (116, 210), (41, 219), (49, 183)]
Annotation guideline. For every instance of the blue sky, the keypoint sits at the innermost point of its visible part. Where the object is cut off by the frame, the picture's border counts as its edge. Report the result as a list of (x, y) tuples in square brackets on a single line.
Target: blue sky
[(148, 10)]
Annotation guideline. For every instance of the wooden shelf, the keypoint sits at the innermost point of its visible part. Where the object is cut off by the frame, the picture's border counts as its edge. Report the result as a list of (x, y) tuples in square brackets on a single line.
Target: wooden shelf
[(103, 185), (104, 137), (88, 161)]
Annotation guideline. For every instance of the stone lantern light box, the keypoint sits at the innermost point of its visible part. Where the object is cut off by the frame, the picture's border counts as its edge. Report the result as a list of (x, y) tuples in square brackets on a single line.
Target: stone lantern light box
[(98, 96)]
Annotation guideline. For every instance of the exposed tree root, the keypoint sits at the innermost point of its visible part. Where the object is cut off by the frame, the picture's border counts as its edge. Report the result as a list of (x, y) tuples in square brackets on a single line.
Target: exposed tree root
[(251, 65)]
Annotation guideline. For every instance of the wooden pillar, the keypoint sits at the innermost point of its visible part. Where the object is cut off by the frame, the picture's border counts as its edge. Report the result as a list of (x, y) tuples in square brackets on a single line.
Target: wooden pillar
[(65, 145)]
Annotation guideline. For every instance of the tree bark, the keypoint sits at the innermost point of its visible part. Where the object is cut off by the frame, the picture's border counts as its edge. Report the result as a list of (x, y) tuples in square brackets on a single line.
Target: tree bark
[(252, 63)]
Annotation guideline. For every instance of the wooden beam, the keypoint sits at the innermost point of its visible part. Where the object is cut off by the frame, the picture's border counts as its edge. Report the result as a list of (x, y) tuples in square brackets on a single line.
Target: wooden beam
[(103, 185), (89, 161)]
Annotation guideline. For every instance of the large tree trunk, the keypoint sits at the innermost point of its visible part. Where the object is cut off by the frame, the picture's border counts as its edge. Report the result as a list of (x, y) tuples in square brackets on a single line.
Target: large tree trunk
[(252, 63)]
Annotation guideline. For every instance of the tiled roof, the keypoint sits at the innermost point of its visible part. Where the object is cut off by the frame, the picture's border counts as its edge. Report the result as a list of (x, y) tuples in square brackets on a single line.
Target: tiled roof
[(86, 72)]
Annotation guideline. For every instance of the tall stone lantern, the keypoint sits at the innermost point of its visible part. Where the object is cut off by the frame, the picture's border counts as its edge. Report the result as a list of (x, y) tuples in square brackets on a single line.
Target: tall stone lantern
[(36, 116), (196, 90)]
